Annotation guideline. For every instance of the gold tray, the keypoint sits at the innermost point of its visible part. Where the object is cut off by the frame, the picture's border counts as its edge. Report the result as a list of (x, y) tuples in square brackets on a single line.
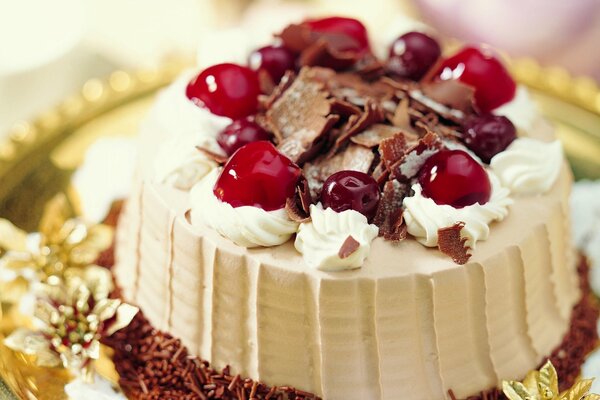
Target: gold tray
[(39, 157)]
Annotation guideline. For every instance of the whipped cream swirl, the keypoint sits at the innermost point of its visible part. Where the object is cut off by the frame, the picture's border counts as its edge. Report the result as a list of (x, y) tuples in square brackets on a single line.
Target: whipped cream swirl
[(529, 166), (321, 239), (424, 217), (178, 163), (521, 110), (246, 226)]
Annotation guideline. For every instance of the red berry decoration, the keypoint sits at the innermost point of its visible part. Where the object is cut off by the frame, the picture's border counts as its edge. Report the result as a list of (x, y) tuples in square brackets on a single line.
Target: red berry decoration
[(412, 55), (351, 190), (479, 68), (239, 133), (488, 135), (257, 175), (454, 178), (274, 60), (353, 29), (228, 90)]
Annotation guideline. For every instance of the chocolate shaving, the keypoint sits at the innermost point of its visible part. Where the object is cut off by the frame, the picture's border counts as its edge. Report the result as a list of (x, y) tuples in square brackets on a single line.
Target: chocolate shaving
[(389, 212), (409, 164), (371, 115), (451, 93), (392, 149), (354, 157), (343, 108), (374, 135), (285, 82), (452, 244), (216, 157), (348, 248), (401, 117), (322, 53), (300, 117), (294, 210), (298, 206)]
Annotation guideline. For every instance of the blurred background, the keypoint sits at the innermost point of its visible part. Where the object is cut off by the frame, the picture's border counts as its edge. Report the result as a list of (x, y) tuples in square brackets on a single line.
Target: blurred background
[(49, 48)]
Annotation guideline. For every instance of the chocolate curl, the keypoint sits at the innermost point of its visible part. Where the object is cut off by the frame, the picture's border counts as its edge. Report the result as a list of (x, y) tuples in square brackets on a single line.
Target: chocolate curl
[(409, 164), (452, 244), (389, 217), (298, 206)]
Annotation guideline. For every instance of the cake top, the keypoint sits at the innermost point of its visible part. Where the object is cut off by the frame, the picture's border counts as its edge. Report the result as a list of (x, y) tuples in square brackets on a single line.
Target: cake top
[(318, 138)]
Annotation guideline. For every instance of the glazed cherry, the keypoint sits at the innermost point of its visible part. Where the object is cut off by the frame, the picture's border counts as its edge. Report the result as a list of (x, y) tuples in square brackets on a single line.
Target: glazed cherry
[(239, 133), (479, 68), (488, 135), (228, 90), (274, 60), (351, 190), (257, 175), (412, 55), (353, 29), (454, 178)]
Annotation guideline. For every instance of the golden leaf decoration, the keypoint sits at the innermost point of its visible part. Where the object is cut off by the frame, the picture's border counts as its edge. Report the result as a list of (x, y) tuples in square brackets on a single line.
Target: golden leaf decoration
[(543, 385)]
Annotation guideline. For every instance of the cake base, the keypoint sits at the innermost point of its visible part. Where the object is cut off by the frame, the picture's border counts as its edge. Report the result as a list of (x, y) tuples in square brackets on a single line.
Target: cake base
[(154, 365)]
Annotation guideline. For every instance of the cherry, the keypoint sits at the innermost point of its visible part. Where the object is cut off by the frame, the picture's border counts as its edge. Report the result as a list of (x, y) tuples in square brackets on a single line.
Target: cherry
[(275, 60), (239, 133), (257, 175), (353, 29), (488, 135), (412, 55), (454, 178), (351, 190), (479, 68), (228, 90)]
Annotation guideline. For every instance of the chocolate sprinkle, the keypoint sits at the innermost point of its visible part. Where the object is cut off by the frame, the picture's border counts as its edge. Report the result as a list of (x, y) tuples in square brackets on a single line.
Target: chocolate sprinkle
[(348, 248), (452, 244)]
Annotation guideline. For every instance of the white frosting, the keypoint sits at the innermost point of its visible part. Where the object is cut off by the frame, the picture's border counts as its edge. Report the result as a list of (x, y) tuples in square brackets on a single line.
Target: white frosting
[(529, 166), (246, 226), (424, 217), (98, 182), (521, 110), (178, 162), (320, 240), (100, 389)]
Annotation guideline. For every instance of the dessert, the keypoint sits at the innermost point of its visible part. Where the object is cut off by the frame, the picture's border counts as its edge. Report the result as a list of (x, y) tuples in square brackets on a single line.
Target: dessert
[(347, 230)]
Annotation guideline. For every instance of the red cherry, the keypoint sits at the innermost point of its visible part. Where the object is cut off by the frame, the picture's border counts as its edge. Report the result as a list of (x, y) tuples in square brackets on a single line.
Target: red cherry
[(351, 190), (479, 68), (413, 54), (257, 175), (488, 135), (228, 90), (275, 60), (239, 133), (454, 178), (349, 27)]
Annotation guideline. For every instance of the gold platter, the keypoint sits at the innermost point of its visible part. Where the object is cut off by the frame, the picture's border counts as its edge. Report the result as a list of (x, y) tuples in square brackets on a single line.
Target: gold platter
[(39, 156)]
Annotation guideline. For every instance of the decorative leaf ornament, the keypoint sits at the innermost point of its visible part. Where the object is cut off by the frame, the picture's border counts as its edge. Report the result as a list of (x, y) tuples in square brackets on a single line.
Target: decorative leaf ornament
[(543, 385)]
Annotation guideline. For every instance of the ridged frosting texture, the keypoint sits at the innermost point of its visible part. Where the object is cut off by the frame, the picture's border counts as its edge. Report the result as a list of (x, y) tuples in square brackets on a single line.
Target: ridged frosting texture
[(424, 217), (529, 166), (246, 226), (321, 239), (178, 162)]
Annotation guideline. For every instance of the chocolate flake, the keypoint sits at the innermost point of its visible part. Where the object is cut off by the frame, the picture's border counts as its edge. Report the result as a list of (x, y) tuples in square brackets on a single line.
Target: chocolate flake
[(298, 206), (300, 117), (211, 155), (371, 115), (392, 149), (409, 164), (389, 217), (374, 135), (452, 244), (451, 93), (348, 248)]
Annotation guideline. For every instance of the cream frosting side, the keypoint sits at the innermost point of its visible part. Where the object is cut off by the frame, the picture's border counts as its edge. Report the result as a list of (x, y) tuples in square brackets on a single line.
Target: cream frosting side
[(424, 217), (178, 163), (529, 166), (321, 239), (521, 110), (245, 226)]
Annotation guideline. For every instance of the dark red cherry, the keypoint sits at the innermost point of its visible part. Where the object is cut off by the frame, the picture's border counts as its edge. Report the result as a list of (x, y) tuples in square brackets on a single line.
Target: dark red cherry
[(412, 55), (239, 133), (274, 60), (349, 27), (488, 135), (351, 190), (228, 90), (257, 175), (481, 69), (454, 178)]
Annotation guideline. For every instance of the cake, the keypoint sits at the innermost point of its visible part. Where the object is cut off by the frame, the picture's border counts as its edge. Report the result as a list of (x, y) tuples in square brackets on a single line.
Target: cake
[(354, 227)]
